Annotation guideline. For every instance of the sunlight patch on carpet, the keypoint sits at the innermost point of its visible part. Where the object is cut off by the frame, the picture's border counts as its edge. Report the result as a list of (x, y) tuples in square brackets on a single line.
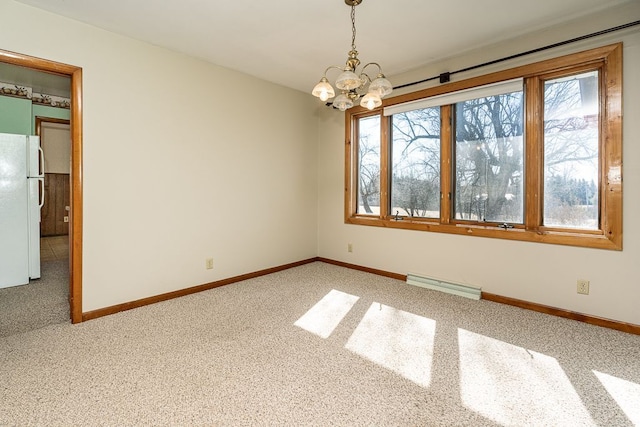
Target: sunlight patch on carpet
[(326, 315), (396, 340), (515, 386), (625, 393)]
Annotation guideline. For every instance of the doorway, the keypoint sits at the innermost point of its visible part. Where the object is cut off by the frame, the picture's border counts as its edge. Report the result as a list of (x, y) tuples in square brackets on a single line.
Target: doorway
[(75, 176), (55, 141)]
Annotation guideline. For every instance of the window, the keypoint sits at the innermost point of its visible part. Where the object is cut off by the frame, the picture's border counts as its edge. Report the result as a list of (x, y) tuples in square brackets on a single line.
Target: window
[(415, 171), (369, 165), (489, 162), (532, 153), (571, 130)]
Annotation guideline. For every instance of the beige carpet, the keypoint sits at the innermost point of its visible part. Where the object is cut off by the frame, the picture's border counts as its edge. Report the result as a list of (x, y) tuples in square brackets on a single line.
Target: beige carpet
[(321, 345), (42, 302)]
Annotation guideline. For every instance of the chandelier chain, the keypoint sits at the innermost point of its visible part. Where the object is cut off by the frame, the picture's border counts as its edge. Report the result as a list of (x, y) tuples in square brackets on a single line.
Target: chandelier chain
[(353, 26)]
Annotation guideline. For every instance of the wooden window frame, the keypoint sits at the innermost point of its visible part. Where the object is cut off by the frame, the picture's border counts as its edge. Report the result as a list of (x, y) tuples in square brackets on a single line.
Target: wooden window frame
[(607, 60)]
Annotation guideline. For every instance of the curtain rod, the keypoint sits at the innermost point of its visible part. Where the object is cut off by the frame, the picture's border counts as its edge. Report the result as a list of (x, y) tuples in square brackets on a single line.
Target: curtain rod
[(445, 77)]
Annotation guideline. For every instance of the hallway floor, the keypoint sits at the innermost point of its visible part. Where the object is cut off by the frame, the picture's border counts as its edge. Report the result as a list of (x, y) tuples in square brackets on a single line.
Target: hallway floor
[(54, 248), (43, 301)]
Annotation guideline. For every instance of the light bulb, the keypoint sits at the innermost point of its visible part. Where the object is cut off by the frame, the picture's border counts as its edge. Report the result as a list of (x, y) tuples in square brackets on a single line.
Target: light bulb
[(371, 101), (323, 90), (371, 104)]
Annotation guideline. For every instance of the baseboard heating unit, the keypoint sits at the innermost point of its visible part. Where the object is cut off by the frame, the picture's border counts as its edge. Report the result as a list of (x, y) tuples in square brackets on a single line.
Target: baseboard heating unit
[(459, 289)]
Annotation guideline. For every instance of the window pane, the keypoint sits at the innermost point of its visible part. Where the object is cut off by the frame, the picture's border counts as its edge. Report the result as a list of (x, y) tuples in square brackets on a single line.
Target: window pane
[(489, 159), (571, 132), (369, 165), (415, 179)]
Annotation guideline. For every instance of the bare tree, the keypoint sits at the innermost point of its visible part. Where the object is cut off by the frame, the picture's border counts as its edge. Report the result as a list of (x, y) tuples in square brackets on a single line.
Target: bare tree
[(571, 152), (416, 162), (489, 151), (567, 137), (369, 173), (489, 159)]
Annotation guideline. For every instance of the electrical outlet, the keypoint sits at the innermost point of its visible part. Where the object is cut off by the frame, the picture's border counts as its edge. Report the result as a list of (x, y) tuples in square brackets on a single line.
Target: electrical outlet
[(209, 263), (349, 247), (583, 287)]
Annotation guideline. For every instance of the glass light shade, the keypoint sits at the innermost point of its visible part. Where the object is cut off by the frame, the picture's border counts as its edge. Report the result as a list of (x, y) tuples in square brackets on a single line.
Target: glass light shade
[(348, 80), (342, 102), (380, 86), (323, 90), (371, 101)]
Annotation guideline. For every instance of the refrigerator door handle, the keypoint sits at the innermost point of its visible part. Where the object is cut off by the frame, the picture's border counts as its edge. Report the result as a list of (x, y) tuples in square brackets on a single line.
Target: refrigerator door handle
[(41, 182), (41, 152)]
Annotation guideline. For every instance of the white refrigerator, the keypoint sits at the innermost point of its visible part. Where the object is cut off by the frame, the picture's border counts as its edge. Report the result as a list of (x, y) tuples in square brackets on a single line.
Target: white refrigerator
[(21, 197)]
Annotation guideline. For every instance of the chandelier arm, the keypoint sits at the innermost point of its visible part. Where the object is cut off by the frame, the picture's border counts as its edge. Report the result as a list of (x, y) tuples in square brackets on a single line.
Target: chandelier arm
[(331, 67), (364, 77), (373, 63)]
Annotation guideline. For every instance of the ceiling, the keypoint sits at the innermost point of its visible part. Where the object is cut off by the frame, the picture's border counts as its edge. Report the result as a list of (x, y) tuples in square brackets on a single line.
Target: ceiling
[(291, 42)]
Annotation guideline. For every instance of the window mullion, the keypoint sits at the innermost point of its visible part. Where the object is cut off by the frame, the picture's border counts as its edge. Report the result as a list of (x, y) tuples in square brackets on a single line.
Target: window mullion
[(534, 153), (351, 168), (385, 153), (446, 152), (611, 153)]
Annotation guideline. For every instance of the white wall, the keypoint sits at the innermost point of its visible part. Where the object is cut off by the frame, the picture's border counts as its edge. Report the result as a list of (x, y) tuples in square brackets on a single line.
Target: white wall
[(183, 161), (540, 273)]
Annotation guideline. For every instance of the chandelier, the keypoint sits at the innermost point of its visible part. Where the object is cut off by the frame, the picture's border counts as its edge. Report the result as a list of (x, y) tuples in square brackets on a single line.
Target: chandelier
[(352, 83)]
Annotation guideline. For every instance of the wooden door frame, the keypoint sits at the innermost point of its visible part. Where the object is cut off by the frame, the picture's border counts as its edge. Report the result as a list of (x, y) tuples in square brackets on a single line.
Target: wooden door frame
[(75, 226)]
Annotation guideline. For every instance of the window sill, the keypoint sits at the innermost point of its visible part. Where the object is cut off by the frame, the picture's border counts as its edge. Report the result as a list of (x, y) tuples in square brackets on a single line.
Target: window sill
[(596, 239)]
